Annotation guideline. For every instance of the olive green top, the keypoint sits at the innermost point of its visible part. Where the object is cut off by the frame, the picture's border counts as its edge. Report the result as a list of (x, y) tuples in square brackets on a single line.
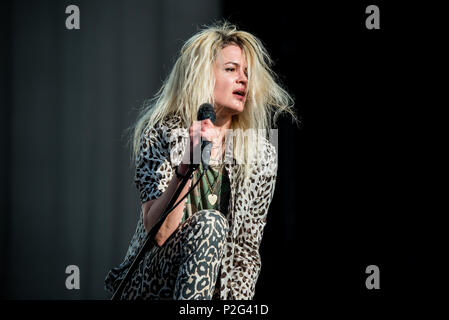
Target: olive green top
[(212, 192)]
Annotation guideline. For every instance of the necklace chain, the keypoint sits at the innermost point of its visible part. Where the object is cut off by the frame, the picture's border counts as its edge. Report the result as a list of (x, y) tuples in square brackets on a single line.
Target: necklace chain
[(212, 197), (212, 190)]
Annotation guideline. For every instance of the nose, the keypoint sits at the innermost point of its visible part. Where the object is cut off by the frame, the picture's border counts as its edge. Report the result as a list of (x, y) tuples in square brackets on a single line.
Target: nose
[(242, 78)]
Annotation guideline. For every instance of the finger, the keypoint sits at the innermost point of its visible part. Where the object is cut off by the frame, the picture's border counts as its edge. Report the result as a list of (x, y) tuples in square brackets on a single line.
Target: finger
[(207, 122)]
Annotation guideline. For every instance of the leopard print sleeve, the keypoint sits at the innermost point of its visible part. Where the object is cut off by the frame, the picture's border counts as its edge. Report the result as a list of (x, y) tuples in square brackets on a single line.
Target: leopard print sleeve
[(152, 175), (247, 260), (151, 163)]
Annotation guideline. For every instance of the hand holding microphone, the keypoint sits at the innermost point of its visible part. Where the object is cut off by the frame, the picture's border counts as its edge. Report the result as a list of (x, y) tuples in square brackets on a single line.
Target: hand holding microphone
[(201, 130)]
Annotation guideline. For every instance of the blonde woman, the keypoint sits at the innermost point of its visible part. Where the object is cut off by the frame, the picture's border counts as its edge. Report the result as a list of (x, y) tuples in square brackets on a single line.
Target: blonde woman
[(208, 246)]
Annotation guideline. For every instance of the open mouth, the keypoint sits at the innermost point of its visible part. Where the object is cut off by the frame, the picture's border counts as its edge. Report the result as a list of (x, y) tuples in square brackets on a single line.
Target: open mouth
[(240, 93)]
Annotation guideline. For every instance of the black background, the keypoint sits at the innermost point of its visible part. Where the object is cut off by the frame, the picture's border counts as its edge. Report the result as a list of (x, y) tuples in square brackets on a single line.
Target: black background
[(355, 182)]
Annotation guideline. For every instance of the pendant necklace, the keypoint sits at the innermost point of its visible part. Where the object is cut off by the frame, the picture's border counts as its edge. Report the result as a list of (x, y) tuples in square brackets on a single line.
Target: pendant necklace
[(212, 197)]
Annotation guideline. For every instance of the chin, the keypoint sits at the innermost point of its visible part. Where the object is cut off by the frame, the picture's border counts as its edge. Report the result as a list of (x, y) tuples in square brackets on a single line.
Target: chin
[(236, 111), (233, 110), (239, 108)]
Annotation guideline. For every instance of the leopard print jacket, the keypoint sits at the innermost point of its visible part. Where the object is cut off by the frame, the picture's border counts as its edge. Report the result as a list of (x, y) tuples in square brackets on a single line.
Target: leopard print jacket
[(161, 149)]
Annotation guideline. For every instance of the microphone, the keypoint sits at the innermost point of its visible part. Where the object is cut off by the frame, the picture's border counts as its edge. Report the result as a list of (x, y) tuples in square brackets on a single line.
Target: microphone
[(206, 111)]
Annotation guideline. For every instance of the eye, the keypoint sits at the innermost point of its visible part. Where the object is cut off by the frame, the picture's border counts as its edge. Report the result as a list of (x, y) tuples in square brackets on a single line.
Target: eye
[(230, 69)]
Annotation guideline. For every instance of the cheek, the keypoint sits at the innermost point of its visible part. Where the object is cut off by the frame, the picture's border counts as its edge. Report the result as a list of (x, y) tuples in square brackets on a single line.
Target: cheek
[(221, 89), (217, 92)]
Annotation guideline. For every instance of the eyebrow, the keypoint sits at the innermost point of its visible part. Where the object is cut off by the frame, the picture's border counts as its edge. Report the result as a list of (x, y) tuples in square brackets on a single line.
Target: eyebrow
[(234, 63)]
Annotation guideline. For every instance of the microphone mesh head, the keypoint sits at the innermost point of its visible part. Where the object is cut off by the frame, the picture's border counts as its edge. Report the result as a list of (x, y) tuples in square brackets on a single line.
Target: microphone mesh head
[(206, 111)]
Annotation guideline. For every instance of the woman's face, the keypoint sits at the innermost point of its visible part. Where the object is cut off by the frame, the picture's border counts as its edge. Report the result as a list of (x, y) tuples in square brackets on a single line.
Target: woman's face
[(230, 69)]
